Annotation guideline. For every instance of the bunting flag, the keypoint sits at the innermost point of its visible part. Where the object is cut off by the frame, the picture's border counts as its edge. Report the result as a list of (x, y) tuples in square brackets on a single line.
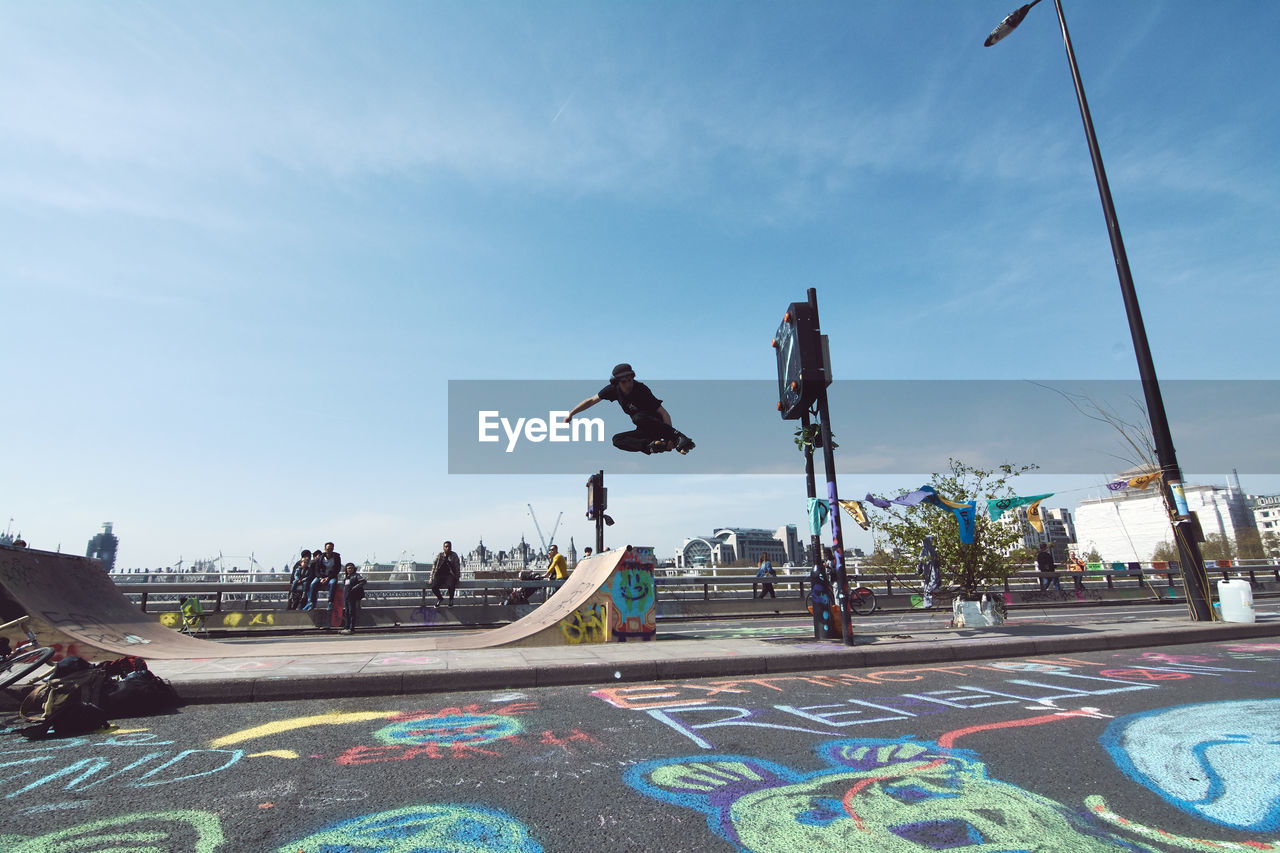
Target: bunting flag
[(996, 508), (966, 516), (966, 512), (877, 502), (1033, 516), (857, 513), (939, 500), (1141, 481), (1145, 480), (818, 511), (914, 498)]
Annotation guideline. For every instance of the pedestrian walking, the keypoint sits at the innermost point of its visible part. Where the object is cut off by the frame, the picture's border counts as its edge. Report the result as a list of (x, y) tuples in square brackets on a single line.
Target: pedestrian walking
[(764, 575)]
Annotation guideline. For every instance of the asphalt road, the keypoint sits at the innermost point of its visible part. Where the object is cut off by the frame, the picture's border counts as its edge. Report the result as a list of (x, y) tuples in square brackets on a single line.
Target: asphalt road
[(1155, 749), (802, 626)]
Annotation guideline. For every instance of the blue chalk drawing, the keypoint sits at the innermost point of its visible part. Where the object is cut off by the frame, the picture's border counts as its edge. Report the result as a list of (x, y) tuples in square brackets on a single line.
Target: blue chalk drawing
[(1218, 761)]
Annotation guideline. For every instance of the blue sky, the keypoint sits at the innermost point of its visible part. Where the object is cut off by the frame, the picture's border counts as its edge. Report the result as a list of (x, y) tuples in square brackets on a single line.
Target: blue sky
[(244, 247)]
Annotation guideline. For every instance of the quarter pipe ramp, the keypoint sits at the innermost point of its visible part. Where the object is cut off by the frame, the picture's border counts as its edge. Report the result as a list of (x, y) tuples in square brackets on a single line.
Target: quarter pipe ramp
[(76, 607)]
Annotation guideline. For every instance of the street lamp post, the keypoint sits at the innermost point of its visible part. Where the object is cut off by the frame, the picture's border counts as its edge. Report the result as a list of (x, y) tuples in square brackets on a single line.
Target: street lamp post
[(1185, 530)]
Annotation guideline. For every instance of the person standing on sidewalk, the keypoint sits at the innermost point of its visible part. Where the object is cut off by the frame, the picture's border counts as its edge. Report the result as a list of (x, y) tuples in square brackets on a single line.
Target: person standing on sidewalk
[(1044, 562), (445, 573), (352, 594), (1076, 566)]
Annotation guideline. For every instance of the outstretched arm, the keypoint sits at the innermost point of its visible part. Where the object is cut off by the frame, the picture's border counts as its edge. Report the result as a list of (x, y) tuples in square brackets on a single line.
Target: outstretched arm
[(583, 406)]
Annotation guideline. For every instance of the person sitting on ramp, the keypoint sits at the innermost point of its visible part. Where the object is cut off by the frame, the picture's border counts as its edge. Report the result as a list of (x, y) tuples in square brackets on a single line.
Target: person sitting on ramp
[(654, 432)]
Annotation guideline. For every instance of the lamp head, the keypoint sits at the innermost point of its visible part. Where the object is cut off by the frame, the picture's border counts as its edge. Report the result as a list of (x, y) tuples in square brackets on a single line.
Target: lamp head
[(1009, 24)]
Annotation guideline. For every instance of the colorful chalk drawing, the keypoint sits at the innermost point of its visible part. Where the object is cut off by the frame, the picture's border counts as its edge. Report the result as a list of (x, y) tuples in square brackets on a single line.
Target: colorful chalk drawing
[(877, 796), (172, 832), (631, 589), (1099, 807), (334, 718), (450, 729), (135, 759), (423, 829), (1219, 761)]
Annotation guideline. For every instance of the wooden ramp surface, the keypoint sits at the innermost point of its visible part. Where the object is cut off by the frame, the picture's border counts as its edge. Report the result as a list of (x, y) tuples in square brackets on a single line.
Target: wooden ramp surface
[(73, 603)]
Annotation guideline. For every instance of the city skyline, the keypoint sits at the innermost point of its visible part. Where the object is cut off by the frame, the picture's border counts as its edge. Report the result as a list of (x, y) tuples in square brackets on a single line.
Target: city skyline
[(247, 248)]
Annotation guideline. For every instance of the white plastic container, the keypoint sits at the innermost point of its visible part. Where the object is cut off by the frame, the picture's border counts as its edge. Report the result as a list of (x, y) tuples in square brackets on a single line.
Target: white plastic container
[(1237, 601)]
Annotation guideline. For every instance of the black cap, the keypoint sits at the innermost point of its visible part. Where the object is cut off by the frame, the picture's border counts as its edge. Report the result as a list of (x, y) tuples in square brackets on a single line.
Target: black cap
[(623, 371)]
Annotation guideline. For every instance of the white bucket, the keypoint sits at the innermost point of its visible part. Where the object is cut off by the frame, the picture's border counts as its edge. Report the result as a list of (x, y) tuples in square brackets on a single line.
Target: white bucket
[(1237, 601)]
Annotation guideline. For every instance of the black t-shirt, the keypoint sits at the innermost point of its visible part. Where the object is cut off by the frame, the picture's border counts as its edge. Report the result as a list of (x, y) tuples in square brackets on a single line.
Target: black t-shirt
[(640, 404), (1044, 561)]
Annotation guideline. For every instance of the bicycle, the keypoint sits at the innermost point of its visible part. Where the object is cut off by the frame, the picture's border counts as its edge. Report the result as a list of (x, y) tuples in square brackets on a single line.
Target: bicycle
[(862, 601), (24, 659)]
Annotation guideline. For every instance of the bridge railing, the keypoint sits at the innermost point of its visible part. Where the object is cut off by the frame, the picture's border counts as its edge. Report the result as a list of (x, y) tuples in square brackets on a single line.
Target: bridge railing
[(271, 593)]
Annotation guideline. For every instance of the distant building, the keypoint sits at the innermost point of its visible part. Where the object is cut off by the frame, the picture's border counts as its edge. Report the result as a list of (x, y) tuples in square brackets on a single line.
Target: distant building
[(1266, 517), (1059, 530), (103, 547), (1266, 513), (729, 545), (1128, 526)]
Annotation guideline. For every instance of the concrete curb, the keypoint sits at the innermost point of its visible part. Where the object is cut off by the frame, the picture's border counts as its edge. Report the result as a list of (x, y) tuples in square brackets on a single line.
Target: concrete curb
[(663, 661)]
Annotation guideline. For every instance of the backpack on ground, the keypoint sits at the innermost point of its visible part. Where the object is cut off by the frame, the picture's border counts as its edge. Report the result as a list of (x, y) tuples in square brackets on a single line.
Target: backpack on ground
[(68, 703), (141, 693)]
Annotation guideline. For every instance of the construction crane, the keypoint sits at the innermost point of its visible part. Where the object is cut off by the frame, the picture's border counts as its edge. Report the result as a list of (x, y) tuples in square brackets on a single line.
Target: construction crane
[(546, 546)]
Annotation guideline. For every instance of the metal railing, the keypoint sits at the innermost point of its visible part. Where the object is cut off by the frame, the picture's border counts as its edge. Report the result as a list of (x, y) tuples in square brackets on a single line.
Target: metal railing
[(270, 595)]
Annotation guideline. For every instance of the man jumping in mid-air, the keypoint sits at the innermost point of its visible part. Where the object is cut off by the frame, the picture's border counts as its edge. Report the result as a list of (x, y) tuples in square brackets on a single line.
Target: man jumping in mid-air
[(654, 432)]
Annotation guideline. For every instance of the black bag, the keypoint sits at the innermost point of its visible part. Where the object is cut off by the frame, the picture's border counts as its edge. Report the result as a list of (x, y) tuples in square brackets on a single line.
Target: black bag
[(140, 694)]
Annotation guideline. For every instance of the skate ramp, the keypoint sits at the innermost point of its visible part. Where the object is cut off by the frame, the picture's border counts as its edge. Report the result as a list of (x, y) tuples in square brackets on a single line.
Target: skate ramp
[(77, 609)]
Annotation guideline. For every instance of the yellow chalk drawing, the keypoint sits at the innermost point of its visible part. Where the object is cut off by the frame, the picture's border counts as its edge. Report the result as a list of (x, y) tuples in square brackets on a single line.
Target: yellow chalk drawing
[(336, 718), (232, 620), (274, 753)]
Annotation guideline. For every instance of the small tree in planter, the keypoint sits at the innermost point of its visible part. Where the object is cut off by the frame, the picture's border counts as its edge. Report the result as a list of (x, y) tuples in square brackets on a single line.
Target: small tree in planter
[(966, 569)]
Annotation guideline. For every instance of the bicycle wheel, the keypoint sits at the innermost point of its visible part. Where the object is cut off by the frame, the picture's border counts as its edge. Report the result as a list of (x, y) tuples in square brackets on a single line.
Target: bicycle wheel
[(863, 601), (22, 664)]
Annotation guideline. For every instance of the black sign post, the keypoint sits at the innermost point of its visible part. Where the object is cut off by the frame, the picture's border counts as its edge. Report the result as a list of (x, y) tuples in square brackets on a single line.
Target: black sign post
[(803, 377), (597, 503)]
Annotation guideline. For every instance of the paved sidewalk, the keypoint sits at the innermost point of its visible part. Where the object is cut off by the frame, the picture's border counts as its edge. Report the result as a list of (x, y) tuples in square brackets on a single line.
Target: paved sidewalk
[(379, 666)]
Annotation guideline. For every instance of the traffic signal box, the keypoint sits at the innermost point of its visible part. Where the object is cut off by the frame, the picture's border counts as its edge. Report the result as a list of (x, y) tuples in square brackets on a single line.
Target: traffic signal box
[(597, 496), (801, 372)]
